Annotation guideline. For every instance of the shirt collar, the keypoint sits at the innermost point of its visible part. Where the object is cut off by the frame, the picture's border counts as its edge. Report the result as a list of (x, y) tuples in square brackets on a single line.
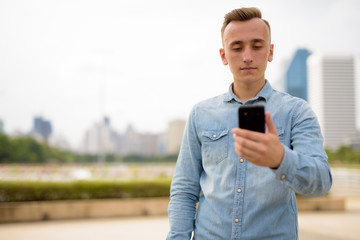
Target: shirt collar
[(265, 93)]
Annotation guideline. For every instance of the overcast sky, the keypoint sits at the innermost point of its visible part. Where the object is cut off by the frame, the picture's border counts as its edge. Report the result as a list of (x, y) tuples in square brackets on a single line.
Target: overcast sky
[(141, 62)]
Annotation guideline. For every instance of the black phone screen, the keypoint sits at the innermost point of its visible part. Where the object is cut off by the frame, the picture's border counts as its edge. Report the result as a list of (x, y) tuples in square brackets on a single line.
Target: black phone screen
[(252, 117)]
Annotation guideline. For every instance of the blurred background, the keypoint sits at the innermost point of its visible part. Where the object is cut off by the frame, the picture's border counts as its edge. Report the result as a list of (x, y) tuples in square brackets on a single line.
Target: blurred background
[(100, 90)]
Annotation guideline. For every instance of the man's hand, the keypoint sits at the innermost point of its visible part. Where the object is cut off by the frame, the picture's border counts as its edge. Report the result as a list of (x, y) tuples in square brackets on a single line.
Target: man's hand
[(259, 148)]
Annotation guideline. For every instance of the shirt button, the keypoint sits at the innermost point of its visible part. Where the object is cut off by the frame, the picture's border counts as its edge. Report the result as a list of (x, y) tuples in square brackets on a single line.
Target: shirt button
[(236, 220), (239, 190), (214, 136), (241, 160), (282, 176)]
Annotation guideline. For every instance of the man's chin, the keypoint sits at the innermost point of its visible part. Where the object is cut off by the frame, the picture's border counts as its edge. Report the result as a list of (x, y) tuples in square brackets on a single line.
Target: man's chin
[(249, 80)]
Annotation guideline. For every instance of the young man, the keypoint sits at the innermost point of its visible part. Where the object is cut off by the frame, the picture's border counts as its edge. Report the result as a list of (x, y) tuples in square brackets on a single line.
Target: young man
[(245, 181)]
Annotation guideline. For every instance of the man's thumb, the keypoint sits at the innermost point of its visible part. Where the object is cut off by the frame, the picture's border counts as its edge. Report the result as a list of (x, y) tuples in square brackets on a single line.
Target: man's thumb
[(270, 124)]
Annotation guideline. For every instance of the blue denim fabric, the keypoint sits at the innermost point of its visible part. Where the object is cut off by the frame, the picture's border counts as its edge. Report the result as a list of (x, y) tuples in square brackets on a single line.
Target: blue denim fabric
[(237, 199)]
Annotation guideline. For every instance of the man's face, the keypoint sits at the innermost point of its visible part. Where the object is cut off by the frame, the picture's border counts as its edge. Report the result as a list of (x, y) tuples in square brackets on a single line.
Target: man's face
[(247, 50)]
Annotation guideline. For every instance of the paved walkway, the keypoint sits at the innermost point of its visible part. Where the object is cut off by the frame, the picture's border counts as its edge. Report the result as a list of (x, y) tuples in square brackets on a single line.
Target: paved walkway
[(312, 226)]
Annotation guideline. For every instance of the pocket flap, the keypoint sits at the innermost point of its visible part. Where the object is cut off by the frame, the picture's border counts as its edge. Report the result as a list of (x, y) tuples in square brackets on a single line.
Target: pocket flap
[(215, 134)]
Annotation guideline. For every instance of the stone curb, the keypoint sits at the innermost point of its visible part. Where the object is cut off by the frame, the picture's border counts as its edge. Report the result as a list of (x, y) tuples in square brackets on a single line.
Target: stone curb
[(77, 209), (321, 204), (107, 208)]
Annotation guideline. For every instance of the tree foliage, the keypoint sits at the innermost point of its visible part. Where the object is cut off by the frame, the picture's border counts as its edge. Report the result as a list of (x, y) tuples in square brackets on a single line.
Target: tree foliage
[(344, 155), (28, 150)]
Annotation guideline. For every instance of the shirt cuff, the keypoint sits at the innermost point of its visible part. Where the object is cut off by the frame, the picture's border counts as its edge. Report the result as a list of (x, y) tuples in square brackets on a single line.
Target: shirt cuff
[(287, 169)]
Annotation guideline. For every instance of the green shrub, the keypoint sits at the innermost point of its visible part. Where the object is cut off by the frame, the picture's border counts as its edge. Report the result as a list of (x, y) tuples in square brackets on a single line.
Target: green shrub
[(344, 155), (16, 191)]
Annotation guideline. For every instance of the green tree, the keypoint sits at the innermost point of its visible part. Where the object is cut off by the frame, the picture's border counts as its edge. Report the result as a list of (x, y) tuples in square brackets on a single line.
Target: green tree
[(5, 149)]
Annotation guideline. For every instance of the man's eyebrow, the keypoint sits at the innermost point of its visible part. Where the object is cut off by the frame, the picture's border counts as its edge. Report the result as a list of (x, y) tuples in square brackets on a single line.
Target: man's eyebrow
[(236, 42), (255, 40), (258, 40)]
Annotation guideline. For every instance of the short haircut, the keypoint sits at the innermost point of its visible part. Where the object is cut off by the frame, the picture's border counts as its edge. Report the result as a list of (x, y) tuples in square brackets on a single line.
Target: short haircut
[(242, 14)]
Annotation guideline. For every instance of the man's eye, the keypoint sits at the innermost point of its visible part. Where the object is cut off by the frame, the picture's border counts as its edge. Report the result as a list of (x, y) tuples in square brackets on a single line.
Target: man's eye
[(237, 49), (257, 47)]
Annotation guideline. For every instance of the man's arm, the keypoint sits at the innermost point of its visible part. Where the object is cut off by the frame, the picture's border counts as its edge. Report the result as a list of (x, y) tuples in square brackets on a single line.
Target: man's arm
[(185, 186), (303, 167)]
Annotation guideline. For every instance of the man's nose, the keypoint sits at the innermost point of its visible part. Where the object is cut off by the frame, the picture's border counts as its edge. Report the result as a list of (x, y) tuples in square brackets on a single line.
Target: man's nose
[(247, 56)]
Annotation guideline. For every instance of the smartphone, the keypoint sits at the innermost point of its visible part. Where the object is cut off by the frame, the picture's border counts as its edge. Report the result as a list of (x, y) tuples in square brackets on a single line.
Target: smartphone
[(252, 117)]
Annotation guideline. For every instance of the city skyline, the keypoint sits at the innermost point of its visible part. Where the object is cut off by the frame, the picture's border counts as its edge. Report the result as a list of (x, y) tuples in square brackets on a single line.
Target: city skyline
[(76, 62), (102, 138)]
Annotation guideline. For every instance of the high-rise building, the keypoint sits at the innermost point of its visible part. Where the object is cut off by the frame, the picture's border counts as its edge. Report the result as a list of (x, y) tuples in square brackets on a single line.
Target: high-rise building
[(100, 139), (60, 142), (141, 144), (331, 89), (42, 128), (174, 136), (296, 75)]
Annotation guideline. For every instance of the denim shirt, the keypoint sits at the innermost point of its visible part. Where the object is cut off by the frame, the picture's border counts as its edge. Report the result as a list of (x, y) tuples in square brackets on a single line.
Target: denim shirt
[(237, 199)]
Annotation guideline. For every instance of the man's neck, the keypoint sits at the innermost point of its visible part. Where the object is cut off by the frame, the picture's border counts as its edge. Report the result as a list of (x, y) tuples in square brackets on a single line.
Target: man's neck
[(246, 92)]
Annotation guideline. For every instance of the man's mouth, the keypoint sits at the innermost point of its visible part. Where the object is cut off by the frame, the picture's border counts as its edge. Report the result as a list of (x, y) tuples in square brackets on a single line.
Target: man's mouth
[(248, 68)]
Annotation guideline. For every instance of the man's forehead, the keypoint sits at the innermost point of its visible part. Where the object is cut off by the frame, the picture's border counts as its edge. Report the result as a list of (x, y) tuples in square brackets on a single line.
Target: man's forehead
[(246, 30)]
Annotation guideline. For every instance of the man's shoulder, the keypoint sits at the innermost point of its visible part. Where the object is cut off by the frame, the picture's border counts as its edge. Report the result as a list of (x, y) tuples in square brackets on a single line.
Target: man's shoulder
[(287, 98), (290, 105), (213, 102)]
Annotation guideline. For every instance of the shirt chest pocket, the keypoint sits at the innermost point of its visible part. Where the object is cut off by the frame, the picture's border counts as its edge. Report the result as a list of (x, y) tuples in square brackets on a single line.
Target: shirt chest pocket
[(215, 146)]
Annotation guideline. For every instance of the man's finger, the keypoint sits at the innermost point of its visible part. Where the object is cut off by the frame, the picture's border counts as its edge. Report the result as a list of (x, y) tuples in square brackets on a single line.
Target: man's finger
[(251, 135), (270, 124)]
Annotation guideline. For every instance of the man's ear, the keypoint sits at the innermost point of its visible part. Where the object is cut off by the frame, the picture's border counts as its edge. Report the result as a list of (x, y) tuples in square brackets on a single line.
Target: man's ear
[(271, 54), (222, 55)]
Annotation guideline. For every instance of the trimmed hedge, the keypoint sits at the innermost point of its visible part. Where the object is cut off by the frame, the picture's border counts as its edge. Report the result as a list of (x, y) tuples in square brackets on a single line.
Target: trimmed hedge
[(18, 191)]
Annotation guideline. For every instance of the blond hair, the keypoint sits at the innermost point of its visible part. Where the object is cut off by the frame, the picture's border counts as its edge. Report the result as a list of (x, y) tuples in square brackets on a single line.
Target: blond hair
[(242, 14)]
